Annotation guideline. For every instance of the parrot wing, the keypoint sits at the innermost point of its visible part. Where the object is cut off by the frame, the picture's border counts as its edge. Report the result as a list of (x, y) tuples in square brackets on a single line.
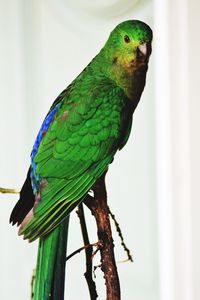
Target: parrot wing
[(76, 150)]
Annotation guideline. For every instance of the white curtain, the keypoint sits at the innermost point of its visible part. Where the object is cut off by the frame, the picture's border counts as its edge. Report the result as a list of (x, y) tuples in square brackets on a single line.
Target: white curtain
[(177, 147)]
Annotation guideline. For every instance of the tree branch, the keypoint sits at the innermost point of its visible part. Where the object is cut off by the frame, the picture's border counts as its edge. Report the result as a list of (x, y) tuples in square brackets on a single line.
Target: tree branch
[(88, 254), (100, 211)]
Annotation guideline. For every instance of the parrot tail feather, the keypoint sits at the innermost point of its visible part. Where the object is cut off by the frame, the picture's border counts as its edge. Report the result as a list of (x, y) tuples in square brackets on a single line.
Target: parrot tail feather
[(51, 261)]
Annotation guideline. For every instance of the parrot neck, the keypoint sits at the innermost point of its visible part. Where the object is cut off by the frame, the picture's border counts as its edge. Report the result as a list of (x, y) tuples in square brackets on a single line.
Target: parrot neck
[(129, 77), (132, 82)]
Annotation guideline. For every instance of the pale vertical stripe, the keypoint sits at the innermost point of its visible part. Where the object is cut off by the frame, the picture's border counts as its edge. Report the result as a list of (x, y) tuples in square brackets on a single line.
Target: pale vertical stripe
[(163, 150), (173, 150), (181, 150)]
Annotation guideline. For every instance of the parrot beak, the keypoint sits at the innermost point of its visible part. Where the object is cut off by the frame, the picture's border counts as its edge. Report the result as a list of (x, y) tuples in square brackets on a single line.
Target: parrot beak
[(143, 48)]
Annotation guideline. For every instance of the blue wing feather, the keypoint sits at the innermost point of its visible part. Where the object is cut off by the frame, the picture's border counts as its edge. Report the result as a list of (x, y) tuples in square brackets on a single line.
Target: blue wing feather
[(35, 178)]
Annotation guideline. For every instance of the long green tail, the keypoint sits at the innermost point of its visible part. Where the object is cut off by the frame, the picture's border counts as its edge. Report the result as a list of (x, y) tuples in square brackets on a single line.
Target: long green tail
[(51, 261)]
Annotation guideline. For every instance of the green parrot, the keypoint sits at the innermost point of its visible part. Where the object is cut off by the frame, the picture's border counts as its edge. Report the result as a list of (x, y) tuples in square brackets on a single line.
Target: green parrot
[(86, 125)]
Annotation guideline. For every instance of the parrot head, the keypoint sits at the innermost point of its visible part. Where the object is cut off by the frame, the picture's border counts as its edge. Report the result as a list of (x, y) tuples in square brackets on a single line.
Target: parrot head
[(129, 44), (126, 52)]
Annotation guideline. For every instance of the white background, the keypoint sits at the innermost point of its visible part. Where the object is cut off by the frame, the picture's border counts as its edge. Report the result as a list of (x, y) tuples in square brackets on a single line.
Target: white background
[(153, 184)]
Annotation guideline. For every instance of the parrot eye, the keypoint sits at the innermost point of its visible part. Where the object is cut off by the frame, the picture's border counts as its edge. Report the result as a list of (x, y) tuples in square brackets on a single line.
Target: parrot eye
[(126, 39)]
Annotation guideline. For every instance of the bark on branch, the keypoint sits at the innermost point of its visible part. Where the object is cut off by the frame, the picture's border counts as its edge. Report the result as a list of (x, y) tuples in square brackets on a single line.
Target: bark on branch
[(99, 208)]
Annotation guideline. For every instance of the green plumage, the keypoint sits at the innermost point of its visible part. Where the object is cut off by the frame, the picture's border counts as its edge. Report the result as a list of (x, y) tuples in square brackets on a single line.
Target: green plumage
[(50, 269), (92, 122), (78, 146)]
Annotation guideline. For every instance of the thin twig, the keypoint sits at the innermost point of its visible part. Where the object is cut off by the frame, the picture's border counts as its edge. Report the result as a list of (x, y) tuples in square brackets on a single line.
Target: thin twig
[(99, 209), (81, 249), (88, 254), (32, 284), (8, 191), (118, 229), (95, 268)]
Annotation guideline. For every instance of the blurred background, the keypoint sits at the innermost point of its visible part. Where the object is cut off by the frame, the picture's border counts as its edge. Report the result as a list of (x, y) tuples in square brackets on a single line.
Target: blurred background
[(153, 184)]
